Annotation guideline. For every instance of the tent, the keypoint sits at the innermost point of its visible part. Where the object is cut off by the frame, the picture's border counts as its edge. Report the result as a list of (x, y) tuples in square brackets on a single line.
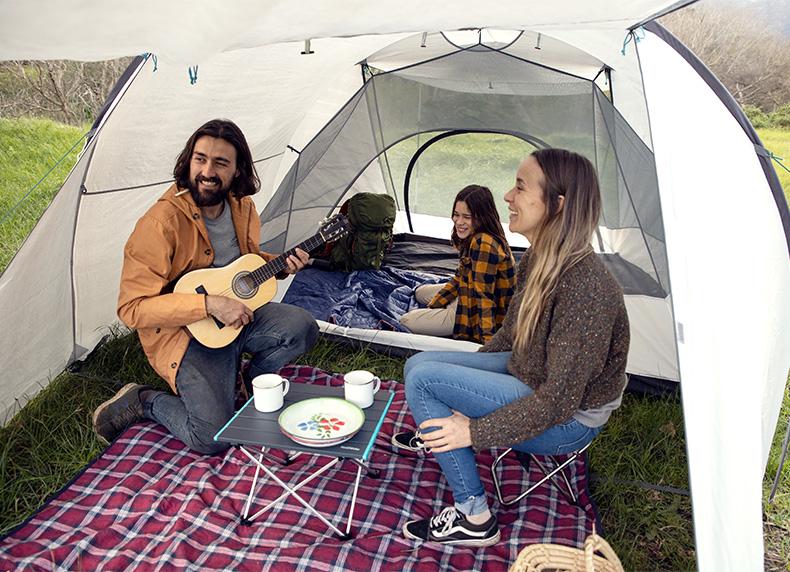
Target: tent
[(326, 92)]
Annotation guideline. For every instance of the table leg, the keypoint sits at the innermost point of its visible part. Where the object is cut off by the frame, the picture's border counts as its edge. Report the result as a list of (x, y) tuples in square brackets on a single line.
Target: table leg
[(252, 488), (289, 459), (353, 500), (369, 471), (295, 495), (296, 488)]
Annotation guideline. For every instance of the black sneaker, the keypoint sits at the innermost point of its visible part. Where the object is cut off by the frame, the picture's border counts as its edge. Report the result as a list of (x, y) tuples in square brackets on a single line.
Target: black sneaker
[(451, 527), (119, 412), (408, 440)]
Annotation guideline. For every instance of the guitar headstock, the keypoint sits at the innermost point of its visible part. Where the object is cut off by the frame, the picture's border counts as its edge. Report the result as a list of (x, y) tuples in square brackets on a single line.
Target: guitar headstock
[(334, 227)]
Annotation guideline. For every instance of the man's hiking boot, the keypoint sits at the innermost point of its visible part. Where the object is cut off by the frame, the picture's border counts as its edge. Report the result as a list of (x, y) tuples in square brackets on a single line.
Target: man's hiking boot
[(119, 412), (409, 441), (451, 527)]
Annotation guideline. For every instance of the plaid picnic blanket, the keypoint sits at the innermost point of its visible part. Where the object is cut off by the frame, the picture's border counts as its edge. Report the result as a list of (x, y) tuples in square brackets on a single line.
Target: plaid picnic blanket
[(149, 503)]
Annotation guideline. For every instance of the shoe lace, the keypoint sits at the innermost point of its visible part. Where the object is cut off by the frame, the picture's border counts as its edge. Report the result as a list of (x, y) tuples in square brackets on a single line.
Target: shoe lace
[(416, 442), (445, 519)]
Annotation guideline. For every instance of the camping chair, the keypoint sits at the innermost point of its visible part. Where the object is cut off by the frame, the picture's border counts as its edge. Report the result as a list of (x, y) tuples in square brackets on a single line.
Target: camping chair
[(548, 474)]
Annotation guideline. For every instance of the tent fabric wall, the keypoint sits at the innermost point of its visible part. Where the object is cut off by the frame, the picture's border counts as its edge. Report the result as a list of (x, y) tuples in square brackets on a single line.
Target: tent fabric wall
[(732, 363), (36, 302), (726, 247)]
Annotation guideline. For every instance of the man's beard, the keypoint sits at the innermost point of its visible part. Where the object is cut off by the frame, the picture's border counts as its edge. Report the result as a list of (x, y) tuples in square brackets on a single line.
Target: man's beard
[(208, 199)]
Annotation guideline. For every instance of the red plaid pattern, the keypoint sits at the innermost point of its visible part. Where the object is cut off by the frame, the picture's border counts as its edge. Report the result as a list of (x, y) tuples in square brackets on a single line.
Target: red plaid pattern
[(149, 503)]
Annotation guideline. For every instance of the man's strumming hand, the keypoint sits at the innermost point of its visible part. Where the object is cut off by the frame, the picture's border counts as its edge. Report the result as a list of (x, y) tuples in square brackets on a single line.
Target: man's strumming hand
[(230, 312)]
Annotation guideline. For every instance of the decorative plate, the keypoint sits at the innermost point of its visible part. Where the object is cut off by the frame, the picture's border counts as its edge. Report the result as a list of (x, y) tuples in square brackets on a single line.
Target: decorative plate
[(321, 421), (312, 443)]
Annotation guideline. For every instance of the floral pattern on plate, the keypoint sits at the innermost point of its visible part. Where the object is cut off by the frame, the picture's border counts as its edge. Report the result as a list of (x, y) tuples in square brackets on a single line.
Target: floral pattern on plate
[(322, 425)]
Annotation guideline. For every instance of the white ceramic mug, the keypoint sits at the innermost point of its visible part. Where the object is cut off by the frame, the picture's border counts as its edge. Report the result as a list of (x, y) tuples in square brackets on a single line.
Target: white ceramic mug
[(360, 386), (268, 391)]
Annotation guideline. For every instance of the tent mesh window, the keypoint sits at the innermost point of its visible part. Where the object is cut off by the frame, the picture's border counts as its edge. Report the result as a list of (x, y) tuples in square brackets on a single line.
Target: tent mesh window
[(480, 89)]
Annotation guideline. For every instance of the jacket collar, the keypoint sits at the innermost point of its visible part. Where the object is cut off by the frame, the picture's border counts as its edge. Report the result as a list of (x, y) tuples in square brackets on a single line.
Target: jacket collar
[(182, 200)]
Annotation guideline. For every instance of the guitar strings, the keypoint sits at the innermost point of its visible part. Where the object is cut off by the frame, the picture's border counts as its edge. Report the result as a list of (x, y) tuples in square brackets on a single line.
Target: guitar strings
[(279, 264)]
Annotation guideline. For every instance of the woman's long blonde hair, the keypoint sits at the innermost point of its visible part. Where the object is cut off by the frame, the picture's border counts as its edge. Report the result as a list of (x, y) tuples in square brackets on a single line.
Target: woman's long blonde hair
[(563, 238)]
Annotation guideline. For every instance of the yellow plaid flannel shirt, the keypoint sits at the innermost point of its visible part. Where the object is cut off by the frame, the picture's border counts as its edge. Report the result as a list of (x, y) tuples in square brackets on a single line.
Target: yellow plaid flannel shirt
[(483, 284)]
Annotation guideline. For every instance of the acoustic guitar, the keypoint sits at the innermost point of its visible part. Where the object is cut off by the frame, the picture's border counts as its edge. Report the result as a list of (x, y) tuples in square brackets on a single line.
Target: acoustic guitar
[(248, 279)]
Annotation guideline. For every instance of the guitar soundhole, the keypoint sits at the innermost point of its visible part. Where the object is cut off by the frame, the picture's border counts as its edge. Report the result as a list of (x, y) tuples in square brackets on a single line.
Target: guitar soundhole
[(244, 286)]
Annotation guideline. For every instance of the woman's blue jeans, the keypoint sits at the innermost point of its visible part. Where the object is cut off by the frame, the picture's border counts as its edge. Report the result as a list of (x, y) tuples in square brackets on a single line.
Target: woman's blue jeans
[(475, 384), (206, 379)]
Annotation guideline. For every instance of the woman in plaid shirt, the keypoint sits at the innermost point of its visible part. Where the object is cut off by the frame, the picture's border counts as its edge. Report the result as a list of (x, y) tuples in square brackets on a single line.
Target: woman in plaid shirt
[(472, 305)]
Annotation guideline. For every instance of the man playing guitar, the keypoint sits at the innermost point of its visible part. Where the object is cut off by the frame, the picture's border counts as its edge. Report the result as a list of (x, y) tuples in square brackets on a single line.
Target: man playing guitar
[(206, 218)]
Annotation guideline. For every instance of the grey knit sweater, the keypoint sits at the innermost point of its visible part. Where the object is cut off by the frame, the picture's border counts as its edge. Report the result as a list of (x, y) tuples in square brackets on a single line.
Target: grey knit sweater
[(575, 359)]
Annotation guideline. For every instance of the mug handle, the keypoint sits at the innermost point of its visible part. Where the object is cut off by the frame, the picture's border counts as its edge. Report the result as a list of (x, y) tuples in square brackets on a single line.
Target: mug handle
[(286, 387), (376, 384)]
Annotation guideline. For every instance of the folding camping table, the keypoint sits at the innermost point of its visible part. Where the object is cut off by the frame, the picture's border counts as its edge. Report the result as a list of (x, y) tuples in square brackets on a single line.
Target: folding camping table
[(250, 427)]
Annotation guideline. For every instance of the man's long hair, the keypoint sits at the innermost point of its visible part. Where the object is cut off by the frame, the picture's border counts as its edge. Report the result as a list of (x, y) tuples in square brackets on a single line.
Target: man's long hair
[(485, 217), (563, 238), (247, 183)]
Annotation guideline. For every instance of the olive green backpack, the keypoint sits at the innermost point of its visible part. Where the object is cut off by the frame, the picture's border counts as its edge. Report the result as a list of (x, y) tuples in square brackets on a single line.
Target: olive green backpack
[(371, 216)]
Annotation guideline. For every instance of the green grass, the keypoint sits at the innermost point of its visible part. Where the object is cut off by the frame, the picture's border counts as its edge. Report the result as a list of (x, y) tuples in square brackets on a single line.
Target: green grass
[(648, 529), (30, 148), (778, 142), (453, 163)]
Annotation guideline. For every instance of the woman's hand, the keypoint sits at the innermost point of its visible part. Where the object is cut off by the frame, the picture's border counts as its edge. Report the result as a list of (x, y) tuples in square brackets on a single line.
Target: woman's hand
[(450, 433)]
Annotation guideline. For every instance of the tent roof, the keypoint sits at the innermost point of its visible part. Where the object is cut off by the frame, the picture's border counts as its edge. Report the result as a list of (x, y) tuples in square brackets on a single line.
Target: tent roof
[(190, 31)]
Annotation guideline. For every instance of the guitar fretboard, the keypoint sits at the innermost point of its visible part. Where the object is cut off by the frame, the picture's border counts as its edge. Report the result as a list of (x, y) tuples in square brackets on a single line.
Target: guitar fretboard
[(277, 265)]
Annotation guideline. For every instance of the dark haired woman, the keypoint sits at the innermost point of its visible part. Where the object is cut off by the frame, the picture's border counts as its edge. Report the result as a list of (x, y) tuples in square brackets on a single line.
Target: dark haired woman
[(550, 377), (472, 305)]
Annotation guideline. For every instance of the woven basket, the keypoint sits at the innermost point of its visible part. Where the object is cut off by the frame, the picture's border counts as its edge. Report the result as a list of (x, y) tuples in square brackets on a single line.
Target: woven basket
[(539, 557)]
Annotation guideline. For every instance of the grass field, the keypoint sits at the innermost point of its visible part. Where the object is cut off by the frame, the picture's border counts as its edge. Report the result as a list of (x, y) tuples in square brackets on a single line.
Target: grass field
[(643, 442), (778, 142), (30, 148)]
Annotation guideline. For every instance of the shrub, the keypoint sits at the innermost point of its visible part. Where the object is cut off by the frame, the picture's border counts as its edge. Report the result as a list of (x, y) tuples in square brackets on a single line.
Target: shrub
[(781, 117), (757, 116)]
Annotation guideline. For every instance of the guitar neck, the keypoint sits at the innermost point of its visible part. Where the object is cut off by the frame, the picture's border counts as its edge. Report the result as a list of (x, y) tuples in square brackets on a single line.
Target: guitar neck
[(277, 265)]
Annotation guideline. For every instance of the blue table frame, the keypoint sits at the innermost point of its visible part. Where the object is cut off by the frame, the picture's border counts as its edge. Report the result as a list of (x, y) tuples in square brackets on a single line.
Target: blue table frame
[(252, 427)]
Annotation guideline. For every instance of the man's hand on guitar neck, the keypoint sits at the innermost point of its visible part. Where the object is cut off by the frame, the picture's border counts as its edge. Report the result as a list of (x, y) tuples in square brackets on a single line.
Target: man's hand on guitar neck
[(230, 312), (296, 261)]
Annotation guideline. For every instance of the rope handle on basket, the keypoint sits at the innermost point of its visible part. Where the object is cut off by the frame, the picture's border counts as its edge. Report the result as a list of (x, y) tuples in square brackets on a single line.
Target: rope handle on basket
[(595, 543), (536, 557)]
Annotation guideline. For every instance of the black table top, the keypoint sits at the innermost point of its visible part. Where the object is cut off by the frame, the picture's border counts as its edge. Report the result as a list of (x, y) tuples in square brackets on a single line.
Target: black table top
[(252, 427)]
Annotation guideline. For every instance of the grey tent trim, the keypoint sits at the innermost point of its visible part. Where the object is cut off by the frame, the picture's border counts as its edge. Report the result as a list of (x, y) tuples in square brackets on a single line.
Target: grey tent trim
[(666, 11), (130, 70), (732, 106)]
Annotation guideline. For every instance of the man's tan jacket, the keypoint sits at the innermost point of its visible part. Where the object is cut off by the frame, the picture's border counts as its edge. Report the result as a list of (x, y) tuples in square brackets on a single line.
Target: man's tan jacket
[(168, 241)]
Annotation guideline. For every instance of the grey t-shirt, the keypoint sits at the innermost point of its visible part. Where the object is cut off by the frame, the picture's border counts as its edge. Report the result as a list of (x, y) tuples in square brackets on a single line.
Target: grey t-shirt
[(223, 238), (600, 415)]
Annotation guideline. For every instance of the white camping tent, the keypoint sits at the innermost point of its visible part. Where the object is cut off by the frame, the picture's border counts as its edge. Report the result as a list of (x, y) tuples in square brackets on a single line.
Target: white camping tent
[(725, 332)]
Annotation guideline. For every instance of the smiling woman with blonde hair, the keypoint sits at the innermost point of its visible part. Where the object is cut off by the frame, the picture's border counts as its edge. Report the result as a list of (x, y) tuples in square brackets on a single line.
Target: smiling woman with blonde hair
[(548, 380)]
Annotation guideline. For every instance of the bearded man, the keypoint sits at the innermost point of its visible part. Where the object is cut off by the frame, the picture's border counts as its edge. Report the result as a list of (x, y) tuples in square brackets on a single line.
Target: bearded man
[(206, 218)]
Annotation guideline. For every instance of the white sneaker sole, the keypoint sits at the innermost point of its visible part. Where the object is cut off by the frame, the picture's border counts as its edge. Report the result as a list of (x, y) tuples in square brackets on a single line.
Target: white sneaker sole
[(468, 542)]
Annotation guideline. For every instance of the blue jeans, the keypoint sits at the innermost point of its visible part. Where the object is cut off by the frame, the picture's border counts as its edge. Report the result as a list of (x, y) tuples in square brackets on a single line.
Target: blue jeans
[(475, 384), (206, 379)]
